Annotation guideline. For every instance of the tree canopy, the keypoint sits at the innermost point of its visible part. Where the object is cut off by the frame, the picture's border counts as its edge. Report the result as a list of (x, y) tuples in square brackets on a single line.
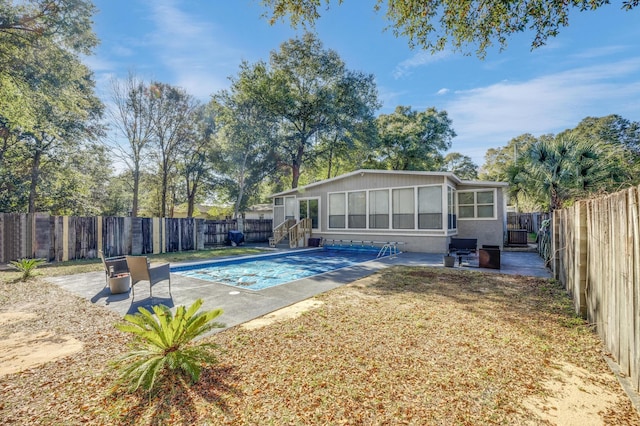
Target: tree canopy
[(438, 24)]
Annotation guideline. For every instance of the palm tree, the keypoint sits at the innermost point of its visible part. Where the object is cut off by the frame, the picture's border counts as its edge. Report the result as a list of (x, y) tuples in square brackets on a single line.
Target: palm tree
[(562, 168)]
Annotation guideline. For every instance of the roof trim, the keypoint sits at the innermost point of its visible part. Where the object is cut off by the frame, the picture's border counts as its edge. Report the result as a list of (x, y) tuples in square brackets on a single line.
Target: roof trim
[(449, 175)]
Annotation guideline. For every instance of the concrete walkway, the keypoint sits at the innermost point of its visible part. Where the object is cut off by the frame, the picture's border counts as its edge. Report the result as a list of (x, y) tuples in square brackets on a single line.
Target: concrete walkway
[(241, 305)]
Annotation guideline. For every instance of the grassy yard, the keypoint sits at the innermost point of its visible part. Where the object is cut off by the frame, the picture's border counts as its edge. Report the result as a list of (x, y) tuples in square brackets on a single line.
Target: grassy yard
[(413, 345)]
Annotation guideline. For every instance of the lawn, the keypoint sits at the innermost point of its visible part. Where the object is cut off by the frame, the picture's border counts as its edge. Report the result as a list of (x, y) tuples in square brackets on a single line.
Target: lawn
[(405, 346)]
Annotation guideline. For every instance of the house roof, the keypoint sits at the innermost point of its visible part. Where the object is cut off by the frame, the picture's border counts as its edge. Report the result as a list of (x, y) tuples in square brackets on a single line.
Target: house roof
[(450, 175)]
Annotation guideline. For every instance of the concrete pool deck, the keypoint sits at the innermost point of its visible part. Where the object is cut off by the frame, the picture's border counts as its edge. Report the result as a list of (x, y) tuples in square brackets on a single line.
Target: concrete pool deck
[(242, 305)]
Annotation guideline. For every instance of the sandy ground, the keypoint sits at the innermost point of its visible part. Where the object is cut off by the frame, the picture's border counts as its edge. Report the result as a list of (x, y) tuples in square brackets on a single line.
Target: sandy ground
[(575, 396), (21, 351)]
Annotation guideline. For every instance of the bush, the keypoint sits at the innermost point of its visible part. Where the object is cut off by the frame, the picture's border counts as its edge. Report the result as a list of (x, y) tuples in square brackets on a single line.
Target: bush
[(27, 267), (163, 344)]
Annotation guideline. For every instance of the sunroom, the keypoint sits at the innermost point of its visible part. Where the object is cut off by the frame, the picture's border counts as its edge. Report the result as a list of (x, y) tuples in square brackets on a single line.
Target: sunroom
[(418, 210)]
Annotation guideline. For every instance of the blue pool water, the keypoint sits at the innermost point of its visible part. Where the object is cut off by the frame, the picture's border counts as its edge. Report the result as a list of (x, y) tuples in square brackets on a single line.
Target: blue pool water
[(257, 273)]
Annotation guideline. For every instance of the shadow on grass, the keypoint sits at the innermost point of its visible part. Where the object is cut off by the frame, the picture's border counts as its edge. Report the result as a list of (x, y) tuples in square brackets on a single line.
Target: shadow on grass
[(178, 401)]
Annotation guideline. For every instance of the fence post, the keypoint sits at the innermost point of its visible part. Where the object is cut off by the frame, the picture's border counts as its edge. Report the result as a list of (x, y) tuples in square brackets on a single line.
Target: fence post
[(157, 235), (580, 259), (555, 243)]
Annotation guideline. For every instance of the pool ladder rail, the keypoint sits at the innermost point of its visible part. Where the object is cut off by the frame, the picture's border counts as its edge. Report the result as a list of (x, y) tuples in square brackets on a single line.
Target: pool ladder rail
[(392, 248)]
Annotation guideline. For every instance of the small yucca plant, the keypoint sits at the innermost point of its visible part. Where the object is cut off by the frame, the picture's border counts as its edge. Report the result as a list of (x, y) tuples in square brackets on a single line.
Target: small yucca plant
[(27, 267), (164, 345)]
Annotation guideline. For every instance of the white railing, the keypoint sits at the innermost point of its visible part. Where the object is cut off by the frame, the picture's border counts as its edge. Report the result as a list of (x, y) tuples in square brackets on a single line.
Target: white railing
[(300, 233), (280, 232)]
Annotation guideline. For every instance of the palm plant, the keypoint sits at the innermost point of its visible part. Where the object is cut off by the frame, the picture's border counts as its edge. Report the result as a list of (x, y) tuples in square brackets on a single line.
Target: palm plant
[(163, 344), (27, 267)]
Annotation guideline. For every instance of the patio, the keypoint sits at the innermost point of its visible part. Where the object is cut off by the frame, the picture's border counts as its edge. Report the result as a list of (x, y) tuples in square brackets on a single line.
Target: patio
[(242, 305)]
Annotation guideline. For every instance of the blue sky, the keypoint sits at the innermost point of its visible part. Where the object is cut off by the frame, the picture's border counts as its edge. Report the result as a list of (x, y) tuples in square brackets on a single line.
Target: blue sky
[(591, 69)]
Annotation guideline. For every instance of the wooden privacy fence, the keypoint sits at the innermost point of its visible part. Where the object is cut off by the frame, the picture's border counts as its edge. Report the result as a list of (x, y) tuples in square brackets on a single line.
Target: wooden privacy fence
[(596, 255), (59, 238)]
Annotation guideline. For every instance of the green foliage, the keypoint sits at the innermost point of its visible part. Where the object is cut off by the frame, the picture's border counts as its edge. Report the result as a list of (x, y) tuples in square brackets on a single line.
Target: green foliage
[(27, 267), (163, 345), (438, 24), (460, 165), (304, 93), (412, 140)]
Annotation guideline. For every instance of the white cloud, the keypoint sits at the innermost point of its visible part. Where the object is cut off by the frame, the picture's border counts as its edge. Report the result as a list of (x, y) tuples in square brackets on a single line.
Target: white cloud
[(490, 116), (442, 91), (420, 59), (193, 50)]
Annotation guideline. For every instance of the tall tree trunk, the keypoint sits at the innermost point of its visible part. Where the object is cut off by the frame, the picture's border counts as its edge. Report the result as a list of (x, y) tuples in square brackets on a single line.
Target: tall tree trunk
[(295, 167), (241, 179), (136, 189)]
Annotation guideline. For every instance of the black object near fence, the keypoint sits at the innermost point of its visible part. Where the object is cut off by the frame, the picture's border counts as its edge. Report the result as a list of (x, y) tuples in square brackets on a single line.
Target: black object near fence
[(59, 238)]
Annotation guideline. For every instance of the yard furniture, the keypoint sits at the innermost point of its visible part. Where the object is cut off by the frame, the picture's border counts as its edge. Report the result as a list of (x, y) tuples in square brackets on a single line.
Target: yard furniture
[(141, 270), (114, 267), (489, 257), (462, 247)]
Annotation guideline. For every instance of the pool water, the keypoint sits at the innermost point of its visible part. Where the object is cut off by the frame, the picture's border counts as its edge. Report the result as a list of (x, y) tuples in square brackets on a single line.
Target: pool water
[(258, 273)]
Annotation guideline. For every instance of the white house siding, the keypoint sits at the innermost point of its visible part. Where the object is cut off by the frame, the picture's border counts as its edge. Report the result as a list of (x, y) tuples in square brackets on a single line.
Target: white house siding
[(415, 240)]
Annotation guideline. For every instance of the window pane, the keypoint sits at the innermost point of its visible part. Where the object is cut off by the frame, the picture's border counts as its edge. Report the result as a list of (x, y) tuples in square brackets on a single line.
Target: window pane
[(485, 211), (302, 211), (465, 198), (337, 210), (465, 211), (379, 202), (336, 204), (430, 199), (278, 201), (430, 220), (403, 208), (313, 213), (379, 221), (451, 208), (357, 209), (485, 197)]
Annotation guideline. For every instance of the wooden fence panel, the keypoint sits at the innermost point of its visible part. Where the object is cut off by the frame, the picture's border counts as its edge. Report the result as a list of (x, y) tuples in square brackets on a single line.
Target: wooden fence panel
[(603, 251)]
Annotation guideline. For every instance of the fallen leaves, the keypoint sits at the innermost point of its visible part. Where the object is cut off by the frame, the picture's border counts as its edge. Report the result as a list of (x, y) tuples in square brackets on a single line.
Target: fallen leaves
[(405, 346)]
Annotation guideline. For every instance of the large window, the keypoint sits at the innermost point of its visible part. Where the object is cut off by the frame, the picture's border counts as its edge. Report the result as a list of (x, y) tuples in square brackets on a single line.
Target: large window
[(379, 209), (357, 209), (337, 210), (452, 222), (476, 204), (430, 207), (403, 208)]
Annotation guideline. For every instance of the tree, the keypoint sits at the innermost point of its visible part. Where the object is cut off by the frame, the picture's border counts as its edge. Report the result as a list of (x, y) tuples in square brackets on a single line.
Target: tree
[(132, 119), (197, 156), (498, 161), (47, 95), (460, 165), (438, 24), (247, 138), (29, 30), (171, 108), (564, 168), (412, 140), (308, 92)]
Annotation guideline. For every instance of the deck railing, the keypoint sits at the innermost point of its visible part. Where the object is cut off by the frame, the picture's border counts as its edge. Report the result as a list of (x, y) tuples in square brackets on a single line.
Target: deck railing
[(300, 233), (281, 231)]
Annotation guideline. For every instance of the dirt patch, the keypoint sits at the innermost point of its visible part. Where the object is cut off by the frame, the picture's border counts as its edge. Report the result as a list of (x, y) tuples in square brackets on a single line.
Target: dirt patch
[(22, 350), (292, 311), (576, 397)]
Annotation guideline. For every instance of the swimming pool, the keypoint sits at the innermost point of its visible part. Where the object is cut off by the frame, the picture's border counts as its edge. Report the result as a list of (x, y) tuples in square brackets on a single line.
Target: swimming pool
[(260, 272)]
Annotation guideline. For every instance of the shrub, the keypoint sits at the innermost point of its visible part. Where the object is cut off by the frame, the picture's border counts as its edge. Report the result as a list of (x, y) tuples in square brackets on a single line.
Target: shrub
[(163, 344), (27, 267)]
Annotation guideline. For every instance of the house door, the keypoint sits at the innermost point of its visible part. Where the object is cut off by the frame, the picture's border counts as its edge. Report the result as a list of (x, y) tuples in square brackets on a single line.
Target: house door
[(309, 208)]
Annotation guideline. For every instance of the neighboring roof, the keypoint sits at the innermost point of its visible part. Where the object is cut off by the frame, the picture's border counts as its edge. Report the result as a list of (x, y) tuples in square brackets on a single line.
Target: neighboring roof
[(396, 172), (260, 208)]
